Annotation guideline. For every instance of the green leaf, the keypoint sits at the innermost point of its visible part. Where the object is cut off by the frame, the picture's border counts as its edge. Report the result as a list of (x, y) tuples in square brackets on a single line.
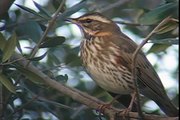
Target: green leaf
[(2, 41), (72, 60), (158, 48), (38, 58), (53, 59), (62, 78), (72, 10), (52, 42), (166, 41), (30, 29), (31, 11), (9, 47), (6, 82), (1, 55), (158, 13), (30, 75), (42, 10)]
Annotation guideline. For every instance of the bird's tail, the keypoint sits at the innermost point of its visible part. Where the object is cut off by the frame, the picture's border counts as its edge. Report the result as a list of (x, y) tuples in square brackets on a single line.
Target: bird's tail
[(168, 107), (164, 103)]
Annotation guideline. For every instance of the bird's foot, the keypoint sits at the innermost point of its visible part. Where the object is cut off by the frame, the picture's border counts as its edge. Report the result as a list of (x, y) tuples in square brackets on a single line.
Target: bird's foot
[(123, 114), (108, 105), (125, 111), (102, 107)]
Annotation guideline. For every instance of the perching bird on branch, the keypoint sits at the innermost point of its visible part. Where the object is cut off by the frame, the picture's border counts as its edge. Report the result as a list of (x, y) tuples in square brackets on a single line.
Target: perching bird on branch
[(107, 56)]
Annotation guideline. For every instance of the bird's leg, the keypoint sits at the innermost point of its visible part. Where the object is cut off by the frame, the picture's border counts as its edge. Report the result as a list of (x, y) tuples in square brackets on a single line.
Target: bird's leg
[(133, 95), (127, 110), (107, 105)]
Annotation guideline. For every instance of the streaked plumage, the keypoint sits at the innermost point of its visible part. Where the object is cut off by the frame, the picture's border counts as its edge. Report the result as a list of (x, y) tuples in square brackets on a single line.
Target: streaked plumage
[(107, 56)]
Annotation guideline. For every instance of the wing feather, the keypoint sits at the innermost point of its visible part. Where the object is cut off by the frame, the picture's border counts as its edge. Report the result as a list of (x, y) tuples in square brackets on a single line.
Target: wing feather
[(147, 76)]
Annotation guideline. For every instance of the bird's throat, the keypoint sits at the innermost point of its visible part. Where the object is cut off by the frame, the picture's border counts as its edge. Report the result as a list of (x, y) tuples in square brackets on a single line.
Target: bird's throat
[(97, 34)]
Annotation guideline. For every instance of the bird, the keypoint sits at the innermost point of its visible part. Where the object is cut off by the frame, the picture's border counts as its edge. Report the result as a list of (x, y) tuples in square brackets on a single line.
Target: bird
[(106, 54)]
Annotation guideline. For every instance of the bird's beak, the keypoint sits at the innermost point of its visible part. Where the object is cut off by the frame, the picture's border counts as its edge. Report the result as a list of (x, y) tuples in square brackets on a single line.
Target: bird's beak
[(72, 20)]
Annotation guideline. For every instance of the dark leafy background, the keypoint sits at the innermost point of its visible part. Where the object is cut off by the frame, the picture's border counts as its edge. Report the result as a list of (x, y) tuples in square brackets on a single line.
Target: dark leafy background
[(25, 98)]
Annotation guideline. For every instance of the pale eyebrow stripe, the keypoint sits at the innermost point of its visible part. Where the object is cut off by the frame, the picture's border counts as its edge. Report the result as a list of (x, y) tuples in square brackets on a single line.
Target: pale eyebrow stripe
[(98, 18)]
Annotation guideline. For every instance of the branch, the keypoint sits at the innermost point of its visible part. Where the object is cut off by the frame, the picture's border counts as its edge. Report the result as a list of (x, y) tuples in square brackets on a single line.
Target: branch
[(134, 77), (4, 7), (82, 97)]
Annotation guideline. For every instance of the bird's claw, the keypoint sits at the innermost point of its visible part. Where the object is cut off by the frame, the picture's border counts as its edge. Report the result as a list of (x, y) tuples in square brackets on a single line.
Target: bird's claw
[(102, 107)]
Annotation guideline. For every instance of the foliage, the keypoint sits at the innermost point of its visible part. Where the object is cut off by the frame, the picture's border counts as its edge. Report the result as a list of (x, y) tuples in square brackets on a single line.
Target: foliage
[(23, 94)]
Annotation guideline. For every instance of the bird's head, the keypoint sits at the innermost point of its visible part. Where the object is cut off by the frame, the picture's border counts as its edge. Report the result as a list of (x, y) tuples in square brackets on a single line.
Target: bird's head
[(95, 24)]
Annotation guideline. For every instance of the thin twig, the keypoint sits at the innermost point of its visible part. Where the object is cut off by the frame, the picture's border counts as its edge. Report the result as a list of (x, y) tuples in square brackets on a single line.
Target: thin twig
[(138, 24), (134, 77), (11, 62), (175, 20), (50, 25), (130, 24)]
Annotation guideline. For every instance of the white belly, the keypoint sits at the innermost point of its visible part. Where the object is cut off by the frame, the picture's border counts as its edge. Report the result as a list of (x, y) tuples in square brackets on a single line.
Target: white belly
[(110, 81)]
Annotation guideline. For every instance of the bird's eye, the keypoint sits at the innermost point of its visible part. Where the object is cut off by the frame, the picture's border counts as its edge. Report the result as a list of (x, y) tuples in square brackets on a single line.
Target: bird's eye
[(88, 21)]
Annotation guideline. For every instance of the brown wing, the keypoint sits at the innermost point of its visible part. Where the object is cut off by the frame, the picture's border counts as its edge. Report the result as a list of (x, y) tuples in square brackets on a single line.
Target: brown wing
[(148, 79)]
